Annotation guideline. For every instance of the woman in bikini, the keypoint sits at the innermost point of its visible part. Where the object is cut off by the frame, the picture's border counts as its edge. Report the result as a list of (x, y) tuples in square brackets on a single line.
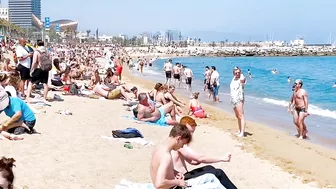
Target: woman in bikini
[(171, 98), (153, 92), (159, 98), (195, 107)]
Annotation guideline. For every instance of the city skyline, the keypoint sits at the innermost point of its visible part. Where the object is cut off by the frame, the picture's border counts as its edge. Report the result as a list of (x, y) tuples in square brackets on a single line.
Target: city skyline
[(224, 19)]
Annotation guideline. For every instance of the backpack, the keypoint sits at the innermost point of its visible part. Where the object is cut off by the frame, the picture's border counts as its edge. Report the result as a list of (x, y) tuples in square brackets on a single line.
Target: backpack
[(46, 62)]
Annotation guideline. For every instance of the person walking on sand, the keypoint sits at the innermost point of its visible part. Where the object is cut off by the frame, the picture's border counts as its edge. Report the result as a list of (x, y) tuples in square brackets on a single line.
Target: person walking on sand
[(189, 76), (299, 101), (207, 75), (177, 74), (168, 67), (237, 99), (214, 81)]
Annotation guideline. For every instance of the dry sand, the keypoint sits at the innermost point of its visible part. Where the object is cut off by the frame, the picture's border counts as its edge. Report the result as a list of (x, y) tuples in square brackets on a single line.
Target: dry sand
[(70, 152)]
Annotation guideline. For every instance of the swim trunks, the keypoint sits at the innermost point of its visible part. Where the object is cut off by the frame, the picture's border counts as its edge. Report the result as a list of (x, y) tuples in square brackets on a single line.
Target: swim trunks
[(114, 94), (168, 74), (298, 110), (188, 80), (162, 120), (177, 76)]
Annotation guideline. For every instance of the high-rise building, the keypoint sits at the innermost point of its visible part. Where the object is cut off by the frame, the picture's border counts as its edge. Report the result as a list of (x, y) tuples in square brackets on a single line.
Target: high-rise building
[(21, 11)]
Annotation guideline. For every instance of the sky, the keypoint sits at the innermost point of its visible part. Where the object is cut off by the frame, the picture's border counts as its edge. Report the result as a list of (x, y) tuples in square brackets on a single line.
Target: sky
[(209, 20)]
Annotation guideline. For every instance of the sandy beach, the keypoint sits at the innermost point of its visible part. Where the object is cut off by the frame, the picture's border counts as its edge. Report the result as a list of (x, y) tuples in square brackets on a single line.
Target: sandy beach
[(71, 153)]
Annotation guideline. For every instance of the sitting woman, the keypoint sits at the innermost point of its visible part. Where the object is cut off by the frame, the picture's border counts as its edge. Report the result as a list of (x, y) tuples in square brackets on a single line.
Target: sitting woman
[(171, 98), (153, 92), (159, 97), (109, 79), (195, 107), (7, 67), (9, 83), (95, 79)]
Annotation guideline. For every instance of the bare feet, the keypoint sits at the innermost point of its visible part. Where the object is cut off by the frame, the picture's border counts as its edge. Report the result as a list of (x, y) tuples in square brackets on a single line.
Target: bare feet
[(241, 134), (15, 137)]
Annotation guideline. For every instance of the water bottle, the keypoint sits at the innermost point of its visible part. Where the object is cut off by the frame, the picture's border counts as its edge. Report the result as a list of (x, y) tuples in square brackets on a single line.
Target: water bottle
[(128, 145)]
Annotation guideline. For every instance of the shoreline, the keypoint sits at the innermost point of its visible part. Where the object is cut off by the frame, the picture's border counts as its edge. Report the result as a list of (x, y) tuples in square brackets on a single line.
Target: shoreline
[(270, 144)]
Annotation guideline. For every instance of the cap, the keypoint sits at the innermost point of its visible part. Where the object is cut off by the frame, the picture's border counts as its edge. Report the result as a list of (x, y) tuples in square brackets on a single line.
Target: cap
[(133, 89), (4, 100), (188, 120)]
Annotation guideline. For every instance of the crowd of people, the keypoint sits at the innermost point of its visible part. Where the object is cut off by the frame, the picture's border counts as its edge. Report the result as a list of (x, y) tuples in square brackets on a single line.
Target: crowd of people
[(29, 72)]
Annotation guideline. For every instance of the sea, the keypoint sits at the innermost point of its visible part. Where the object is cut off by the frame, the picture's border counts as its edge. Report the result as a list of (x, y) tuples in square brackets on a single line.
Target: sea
[(267, 94)]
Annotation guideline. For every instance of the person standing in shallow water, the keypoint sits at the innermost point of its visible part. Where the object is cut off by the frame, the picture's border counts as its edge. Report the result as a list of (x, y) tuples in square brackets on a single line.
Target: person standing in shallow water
[(237, 99), (299, 101)]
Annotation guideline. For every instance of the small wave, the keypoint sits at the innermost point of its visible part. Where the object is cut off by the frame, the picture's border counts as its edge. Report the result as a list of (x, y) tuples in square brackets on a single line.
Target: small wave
[(312, 108), (152, 72)]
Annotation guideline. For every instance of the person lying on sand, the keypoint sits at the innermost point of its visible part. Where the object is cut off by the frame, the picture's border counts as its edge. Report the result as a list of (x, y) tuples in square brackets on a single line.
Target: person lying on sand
[(187, 155), (162, 171), (148, 112), (22, 118), (107, 93)]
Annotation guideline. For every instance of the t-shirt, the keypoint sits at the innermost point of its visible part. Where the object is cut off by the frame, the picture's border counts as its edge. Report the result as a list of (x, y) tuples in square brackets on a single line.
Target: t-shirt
[(15, 105), (214, 78), (21, 52), (237, 89)]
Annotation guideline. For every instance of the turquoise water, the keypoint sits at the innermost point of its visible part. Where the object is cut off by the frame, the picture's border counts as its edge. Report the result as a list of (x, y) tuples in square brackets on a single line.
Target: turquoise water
[(269, 94)]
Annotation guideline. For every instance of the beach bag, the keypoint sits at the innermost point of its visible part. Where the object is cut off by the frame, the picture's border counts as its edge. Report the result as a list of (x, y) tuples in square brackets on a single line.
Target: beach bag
[(46, 62)]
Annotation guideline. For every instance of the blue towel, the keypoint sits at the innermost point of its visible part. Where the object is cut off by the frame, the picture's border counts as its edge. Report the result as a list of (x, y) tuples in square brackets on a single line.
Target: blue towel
[(149, 123)]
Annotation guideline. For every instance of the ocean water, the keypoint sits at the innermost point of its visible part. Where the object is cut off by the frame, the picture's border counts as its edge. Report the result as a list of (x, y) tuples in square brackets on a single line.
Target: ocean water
[(267, 94)]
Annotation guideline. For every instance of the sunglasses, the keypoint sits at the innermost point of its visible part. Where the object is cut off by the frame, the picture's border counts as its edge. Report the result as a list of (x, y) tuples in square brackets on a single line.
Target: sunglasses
[(237, 73)]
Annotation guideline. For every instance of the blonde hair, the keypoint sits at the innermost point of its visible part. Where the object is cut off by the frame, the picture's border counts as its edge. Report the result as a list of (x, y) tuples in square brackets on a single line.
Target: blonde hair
[(235, 69)]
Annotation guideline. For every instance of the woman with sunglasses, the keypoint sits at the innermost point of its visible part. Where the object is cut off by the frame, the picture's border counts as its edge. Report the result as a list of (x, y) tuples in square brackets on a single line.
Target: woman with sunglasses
[(237, 99)]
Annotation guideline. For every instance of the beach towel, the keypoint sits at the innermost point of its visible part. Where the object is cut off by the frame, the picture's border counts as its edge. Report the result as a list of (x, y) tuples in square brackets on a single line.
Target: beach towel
[(149, 123), (140, 141), (127, 133), (126, 184)]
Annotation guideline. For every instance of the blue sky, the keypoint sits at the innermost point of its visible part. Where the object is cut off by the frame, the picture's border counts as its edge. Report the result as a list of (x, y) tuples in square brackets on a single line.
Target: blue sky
[(243, 19)]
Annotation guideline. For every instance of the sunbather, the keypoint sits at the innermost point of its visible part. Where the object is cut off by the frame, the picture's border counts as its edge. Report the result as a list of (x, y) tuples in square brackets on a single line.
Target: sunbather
[(146, 111)]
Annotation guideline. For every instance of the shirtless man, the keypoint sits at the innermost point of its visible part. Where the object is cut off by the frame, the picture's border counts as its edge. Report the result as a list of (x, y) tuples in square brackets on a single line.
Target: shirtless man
[(168, 67), (299, 101), (189, 75), (177, 74), (146, 111), (187, 154), (162, 171)]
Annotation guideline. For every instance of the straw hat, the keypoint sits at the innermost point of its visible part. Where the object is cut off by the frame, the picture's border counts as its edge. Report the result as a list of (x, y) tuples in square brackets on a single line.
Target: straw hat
[(4, 100)]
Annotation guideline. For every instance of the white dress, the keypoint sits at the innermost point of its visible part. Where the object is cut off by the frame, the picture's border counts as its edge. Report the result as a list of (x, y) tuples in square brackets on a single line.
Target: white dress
[(237, 91)]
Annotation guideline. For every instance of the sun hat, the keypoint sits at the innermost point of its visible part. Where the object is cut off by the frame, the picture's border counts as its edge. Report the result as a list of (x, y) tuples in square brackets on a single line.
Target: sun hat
[(4, 100)]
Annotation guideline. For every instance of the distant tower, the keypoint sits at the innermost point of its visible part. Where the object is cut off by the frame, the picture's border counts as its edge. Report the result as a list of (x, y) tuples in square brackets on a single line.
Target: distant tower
[(20, 12)]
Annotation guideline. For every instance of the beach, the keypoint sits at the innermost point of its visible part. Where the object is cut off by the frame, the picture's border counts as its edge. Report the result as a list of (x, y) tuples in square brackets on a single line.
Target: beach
[(70, 152)]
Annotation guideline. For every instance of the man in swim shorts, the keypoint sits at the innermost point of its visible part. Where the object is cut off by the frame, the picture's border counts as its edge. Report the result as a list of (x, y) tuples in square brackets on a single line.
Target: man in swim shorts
[(146, 111), (177, 74), (168, 67), (299, 101)]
